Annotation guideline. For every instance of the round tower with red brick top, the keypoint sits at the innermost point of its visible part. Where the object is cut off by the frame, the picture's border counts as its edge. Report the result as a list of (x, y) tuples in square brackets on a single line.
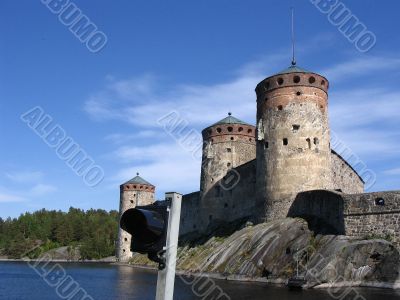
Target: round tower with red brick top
[(226, 144), (135, 192), (293, 139)]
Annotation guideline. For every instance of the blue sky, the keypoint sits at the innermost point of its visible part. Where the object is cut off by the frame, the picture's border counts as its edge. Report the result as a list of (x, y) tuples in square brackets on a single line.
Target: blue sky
[(200, 58)]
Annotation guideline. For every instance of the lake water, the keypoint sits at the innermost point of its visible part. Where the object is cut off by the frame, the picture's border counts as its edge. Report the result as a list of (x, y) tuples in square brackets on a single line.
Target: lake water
[(103, 281)]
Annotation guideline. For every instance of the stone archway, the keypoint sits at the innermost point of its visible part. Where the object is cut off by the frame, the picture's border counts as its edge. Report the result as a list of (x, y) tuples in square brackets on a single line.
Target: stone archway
[(322, 209)]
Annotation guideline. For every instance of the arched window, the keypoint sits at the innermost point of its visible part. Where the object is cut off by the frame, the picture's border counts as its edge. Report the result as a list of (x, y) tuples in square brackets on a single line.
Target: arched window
[(379, 201)]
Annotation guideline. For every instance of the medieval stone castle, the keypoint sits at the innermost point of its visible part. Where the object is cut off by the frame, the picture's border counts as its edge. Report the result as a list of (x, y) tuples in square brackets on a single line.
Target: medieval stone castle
[(283, 167)]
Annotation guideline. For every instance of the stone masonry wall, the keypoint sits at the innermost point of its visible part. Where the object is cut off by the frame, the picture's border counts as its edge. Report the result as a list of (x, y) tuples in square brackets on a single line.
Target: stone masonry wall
[(225, 204), (373, 215), (344, 177)]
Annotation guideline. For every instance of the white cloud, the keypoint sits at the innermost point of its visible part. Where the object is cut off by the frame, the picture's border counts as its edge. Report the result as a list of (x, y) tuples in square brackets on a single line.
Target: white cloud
[(166, 165), (24, 176), (392, 171), (7, 198), (363, 66), (41, 190)]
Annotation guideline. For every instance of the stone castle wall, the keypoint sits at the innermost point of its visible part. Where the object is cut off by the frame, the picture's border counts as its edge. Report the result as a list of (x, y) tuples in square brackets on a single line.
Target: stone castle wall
[(368, 215), (344, 177), (373, 215), (235, 203)]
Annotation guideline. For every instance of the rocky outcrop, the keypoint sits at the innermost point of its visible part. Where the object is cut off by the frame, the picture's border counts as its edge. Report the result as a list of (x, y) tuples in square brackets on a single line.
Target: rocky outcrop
[(278, 250)]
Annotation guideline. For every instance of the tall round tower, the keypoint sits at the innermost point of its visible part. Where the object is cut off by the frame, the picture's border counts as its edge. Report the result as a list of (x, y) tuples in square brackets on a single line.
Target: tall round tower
[(293, 139), (226, 144), (135, 192)]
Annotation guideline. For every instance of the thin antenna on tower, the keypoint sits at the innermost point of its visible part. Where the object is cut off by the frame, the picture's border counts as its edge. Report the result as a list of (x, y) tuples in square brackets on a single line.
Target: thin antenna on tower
[(293, 40)]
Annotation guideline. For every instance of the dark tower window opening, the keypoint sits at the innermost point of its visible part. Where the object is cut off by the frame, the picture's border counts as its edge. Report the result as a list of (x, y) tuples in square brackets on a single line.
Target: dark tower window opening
[(296, 79), (134, 186), (250, 139), (309, 143), (123, 250), (266, 145), (280, 107), (379, 201), (228, 150), (298, 93), (280, 81), (316, 141), (295, 128), (285, 142), (228, 164), (125, 239), (219, 130), (230, 129), (232, 138), (132, 201), (323, 82), (212, 140), (266, 98), (311, 79), (240, 129), (249, 131)]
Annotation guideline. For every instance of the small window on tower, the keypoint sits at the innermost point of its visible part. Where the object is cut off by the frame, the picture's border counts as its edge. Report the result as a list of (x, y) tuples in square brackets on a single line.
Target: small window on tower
[(266, 145), (230, 129), (240, 129), (311, 80), (280, 81), (228, 150), (316, 141), (280, 107), (296, 79), (228, 164), (309, 143), (285, 142), (295, 128), (380, 201)]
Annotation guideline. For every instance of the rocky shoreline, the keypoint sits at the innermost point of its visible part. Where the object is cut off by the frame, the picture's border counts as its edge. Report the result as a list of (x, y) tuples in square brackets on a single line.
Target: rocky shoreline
[(272, 252)]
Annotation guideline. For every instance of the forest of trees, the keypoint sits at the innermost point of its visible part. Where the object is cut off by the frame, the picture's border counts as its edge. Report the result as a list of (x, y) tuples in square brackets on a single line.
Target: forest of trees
[(94, 232)]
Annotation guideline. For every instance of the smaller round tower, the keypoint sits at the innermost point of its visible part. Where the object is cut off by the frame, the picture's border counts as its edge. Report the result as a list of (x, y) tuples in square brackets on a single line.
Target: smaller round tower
[(135, 192), (226, 144)]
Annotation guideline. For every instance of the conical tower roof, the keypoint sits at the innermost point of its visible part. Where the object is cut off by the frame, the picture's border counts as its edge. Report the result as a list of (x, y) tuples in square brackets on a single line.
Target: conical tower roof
[(230, 120), (138, 180)]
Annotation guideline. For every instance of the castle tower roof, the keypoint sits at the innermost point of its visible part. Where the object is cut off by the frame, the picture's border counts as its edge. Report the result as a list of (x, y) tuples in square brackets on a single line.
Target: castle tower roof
[(138, 180), (293, 69), (230, 120)]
